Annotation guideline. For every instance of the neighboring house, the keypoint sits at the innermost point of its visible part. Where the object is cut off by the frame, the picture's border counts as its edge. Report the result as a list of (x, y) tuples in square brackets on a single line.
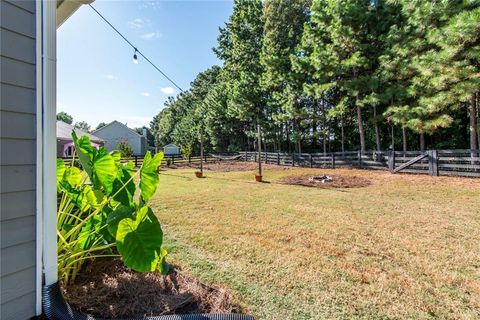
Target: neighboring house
[(28, 152), (171, 149), (115, 132), (65, 145)]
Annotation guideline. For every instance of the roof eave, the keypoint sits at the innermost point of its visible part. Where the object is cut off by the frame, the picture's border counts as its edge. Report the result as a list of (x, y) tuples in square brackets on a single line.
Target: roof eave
[(65, 8)]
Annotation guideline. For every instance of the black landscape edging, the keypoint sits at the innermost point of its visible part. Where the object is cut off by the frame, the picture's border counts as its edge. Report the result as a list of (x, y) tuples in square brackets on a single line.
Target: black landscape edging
[(56, 308)]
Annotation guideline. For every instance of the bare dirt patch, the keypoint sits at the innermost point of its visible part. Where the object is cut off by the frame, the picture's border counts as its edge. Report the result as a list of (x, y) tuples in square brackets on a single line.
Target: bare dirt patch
[(321, 180), (106, 288), (230, 166)]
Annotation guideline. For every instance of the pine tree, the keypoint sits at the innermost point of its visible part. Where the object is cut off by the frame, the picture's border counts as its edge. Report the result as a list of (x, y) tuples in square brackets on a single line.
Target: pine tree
[(283, 28), (239, 46)]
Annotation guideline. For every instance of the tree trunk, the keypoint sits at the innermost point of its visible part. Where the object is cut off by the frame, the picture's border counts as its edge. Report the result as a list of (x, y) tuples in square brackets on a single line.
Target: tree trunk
[(377, 130), (289, 146), (472, 110), (361, 132), (299, 146), (422, 141), (478, 119), (343, 136), (404, 139)]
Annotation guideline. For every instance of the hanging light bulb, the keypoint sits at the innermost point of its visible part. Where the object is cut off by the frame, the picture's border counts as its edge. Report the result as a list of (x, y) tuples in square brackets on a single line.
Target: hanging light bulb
[(135, 59)]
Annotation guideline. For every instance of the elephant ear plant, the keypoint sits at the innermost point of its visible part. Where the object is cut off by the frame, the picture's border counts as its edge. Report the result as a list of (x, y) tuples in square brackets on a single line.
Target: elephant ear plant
[(100, 214)]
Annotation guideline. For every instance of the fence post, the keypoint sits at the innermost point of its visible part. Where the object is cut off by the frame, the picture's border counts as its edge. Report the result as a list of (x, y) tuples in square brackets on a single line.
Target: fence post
[(433, 163), (266, 156), (246, 156), (256, 156), (136, 161), (173, 159), (333, 160), (360, 158), (205, 157), (311, 160), (391, 160), (278, 158), (293, 159), (189, 159)]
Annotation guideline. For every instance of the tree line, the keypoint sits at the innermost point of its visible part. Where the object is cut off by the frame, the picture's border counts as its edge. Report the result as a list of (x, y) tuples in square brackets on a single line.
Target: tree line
[(335, 75)]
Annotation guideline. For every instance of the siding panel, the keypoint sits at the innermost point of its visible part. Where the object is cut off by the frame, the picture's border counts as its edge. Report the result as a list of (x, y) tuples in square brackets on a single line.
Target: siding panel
[(21, 308), (17, 152), (28, 5), (17, 125), (19, 258), (17, 159), (17, 231), (17, 46), (17, 284), (17, 178), (17, 73), (16, 19), (17, 204), (17, 99)]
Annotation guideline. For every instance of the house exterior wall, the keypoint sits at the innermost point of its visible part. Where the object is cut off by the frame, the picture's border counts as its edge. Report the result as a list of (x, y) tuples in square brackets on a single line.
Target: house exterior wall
[(115, 132), (17, 159), (171, 149)]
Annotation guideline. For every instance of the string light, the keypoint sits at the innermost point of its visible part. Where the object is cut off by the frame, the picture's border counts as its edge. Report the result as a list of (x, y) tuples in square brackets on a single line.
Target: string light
[(135, 59)]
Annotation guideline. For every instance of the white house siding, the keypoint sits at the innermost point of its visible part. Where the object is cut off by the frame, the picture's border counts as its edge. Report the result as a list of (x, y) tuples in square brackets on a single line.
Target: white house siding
[(17, 159), (115, 132)]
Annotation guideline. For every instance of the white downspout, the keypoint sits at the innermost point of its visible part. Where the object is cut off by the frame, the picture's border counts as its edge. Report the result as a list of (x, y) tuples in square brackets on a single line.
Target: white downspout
[(39, 159), (49, 61)]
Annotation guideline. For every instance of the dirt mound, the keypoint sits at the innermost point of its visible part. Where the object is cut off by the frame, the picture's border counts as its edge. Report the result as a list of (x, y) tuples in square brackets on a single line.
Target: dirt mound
[(327, 181), (107, 289)]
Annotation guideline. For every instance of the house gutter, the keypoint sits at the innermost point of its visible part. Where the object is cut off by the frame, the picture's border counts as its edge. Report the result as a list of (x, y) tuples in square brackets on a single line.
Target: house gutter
[(39, 159), (49, 105)]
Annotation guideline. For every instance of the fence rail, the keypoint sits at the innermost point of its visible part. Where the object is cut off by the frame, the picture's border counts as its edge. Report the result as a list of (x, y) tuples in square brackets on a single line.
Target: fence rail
[(167, 160), (458, 162)]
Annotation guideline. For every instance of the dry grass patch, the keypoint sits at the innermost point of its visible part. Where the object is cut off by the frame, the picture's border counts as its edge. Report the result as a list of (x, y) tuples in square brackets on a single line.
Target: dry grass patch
[(403, 247)]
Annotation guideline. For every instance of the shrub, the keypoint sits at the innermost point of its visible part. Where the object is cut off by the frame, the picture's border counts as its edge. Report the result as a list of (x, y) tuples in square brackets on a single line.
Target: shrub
[(186, 151), (125, 148), (98, 214)]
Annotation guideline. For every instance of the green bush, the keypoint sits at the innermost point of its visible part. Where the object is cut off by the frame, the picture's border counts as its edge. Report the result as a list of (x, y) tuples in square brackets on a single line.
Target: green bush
[(125, 148), (186, 151), (98, 214)]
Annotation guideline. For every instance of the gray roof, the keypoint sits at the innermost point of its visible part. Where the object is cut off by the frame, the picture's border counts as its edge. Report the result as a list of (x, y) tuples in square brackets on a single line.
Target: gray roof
[(64, 132), (121, 124)]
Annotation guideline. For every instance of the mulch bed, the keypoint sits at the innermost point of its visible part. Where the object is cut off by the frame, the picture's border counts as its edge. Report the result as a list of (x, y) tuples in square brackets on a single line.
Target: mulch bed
[(229, 166), (338, 181), (107, 289)]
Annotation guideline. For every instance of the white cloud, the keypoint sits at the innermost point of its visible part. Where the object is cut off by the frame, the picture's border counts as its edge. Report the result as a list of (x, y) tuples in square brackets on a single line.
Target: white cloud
[(167, 90), (145, 94), (110, 77), (151, 35), (137, 23)]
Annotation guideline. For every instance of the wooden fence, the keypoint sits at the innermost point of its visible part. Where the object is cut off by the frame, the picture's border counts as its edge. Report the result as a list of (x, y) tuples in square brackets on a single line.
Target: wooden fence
[(460, 162), (167, 160)]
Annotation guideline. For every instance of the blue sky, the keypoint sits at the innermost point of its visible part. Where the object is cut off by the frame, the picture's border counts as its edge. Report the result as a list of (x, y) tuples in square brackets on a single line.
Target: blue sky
[(97, 79)]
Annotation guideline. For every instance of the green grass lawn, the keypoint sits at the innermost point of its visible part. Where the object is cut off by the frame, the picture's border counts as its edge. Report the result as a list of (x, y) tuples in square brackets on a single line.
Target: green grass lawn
[(405, 247)]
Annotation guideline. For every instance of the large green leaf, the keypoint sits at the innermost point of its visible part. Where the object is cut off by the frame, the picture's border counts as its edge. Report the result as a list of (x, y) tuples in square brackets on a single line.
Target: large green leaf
[(74, 176), (149, 175), (85, 152), (104, 170), (139, 240), (124, 186), (120, 213)]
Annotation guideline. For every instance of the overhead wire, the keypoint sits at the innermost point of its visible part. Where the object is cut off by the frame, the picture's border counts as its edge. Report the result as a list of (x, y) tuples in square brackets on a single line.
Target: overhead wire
[(135, 48)]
